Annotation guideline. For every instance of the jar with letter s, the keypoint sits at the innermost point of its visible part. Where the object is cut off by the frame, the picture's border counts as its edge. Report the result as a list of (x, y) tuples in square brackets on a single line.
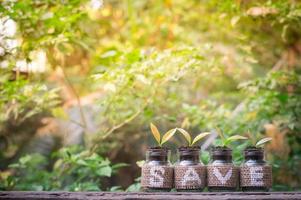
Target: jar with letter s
[(157, 171)]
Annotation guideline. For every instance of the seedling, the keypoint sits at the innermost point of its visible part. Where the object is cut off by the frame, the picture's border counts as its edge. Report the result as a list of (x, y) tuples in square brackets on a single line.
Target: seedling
[(188, 138), (256, 142), (165, 137), (227, 140)]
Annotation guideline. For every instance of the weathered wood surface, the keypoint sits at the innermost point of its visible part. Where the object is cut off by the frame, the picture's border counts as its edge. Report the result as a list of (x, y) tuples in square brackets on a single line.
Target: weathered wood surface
[(150, 196)]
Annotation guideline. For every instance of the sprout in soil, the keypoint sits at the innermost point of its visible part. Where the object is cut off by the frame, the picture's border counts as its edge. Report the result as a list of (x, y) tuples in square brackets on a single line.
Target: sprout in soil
[(165, 137), (187, 136), (256, 141), (228, 140)]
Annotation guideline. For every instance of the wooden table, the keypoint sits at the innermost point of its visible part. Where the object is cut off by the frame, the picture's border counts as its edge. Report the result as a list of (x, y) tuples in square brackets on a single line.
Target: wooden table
[(151, 196)]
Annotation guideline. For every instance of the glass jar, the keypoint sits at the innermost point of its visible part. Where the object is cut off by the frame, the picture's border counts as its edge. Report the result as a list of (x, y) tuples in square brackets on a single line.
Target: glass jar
[(222, 175), (255, 173), (190, 173), (157, 171)]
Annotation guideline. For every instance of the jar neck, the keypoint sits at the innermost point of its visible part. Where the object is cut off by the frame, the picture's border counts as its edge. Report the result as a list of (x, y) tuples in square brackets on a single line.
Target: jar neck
[(189, 154), (259, 158), (157, 154), (162, 158), (223, 154), (254, 154), (193, 158), (225, 158)]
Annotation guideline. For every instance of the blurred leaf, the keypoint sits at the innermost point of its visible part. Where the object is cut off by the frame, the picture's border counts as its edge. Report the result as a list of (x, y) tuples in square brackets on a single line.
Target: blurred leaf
[(185, 123), (59, 112), (109, 54), (261, 11), (234, 20), (104, 171)]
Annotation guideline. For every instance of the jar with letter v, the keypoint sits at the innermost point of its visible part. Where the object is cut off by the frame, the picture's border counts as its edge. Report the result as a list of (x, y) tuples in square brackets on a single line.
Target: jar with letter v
[(222, 175)]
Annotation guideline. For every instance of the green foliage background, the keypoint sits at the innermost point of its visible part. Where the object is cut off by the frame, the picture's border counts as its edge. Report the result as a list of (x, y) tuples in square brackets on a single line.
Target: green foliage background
[(231, 64)]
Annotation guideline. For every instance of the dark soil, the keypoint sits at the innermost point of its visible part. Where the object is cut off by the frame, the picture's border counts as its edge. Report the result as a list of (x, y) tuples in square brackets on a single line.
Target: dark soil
[(157, 148), (223, 153), (220, 148), (188, 148), (252, 148)]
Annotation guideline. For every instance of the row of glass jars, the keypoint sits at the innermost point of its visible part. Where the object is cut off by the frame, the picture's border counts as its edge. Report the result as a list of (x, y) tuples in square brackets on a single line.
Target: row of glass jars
[(189, 173)]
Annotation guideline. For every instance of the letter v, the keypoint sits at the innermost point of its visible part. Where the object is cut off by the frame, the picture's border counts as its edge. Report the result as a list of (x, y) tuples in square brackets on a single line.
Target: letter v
[(220, 177)]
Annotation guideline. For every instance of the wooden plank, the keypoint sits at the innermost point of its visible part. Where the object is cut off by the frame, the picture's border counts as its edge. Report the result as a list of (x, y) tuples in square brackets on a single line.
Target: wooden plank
[(13, 195)]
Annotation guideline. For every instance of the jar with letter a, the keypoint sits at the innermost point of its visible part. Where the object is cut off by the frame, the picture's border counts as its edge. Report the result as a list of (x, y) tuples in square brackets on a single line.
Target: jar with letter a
[(190, 173), (222, 175), (157, 171), (255, 173)]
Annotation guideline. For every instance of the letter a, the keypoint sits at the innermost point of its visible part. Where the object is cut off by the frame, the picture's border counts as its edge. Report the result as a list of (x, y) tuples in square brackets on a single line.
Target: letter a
[(220, 177), (156, 180), (191, 175)]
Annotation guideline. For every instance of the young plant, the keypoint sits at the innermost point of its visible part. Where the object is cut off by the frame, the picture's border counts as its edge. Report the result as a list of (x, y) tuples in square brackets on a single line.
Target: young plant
[(256, 142), (188, 138), (165, 137), (227, 140)]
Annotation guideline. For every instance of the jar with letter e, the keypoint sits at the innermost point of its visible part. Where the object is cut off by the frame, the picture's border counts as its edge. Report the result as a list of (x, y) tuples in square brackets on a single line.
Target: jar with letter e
[(190, 173), (157, 171), (222, 175), (255, 173)]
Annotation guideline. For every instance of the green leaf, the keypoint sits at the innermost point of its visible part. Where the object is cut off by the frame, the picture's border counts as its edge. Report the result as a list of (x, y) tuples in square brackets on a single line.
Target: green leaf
[(168, 135), (205, 157), (263, 141), (120, 165), (155, 133), (140, 163), (25, 159), (283, 98), (87, 186), (104, 171), (252, 137), (199, 137), (186, 135), (116, 189), (15, 165), (221, 135), (81, 162), (234, 138), (134, 188)]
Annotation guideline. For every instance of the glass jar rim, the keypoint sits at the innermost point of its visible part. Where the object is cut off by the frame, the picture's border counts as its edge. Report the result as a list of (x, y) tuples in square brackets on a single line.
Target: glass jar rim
[(189, 150), (221, 151), (158, 151), (253, 151)]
